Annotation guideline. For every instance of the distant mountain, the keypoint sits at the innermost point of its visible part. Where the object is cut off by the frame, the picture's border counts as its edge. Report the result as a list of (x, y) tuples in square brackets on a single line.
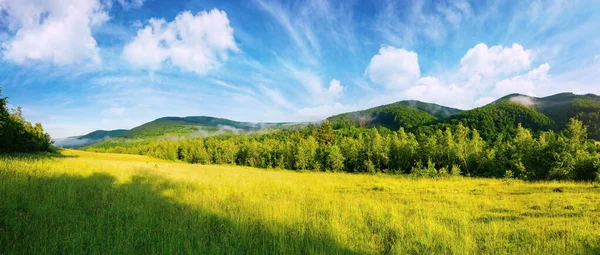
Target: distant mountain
[(501, 116), (91, 138), (562, 107), (193, 125), (187, 127), (103, 134), (408, 114)]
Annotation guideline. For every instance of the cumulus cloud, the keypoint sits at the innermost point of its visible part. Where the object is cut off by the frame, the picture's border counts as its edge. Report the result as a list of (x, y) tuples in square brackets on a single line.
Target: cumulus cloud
[(496, 60), (58, 31), (431, 89), (197, 43), (335, 88), (394, 68), (524, 84), (485, 74)]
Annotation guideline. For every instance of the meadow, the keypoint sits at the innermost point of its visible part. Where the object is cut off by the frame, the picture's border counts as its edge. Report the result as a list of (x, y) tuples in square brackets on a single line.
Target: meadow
[(92, 203)]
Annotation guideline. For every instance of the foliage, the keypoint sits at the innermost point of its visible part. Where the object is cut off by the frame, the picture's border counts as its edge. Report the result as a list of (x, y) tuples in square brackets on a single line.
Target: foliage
[(497, 119), (567, 155), (406, 114), (18, 135)]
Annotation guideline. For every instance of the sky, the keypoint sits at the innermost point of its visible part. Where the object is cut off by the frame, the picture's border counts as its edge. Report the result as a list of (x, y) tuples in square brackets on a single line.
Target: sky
[(81, 65)]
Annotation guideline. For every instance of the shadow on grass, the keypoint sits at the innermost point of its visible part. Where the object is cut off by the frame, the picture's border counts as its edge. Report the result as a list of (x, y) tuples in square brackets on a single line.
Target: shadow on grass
[(37, 155), (95, 215)]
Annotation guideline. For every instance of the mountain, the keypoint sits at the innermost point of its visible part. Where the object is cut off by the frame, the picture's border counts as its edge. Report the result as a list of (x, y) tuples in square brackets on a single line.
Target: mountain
[(103, 134), (564, 106), (193, 125), (499, 117), (174, 128), (91, 138), (408, 114)]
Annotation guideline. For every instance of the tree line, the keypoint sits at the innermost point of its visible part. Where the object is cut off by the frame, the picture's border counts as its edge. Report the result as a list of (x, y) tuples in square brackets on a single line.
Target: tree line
[(455, 150), (18, 135)]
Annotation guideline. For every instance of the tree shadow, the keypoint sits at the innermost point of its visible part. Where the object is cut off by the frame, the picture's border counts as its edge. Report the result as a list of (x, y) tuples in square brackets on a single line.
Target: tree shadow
[(95, 215), (35, 156)]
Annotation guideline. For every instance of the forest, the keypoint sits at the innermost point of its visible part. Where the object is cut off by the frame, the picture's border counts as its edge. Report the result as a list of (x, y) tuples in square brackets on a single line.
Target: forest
[(449, 148), (18, 135), (456, 150)]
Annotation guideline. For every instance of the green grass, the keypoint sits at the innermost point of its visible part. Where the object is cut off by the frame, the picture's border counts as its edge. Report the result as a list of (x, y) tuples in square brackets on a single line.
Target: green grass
[(88, 203)]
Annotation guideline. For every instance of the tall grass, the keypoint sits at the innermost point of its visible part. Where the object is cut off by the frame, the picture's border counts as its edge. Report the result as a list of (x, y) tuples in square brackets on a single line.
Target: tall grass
[(89, 203)]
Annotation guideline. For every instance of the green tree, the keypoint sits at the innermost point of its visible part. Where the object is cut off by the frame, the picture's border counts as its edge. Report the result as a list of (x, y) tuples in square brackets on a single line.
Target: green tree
[(335, 158)]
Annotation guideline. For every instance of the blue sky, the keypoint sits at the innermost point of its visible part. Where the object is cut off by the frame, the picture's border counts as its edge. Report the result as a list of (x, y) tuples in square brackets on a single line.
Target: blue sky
[(81, 65)]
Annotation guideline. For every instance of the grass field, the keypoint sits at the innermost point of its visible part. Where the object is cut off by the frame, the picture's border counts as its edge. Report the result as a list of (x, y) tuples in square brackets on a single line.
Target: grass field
[(89, 203)]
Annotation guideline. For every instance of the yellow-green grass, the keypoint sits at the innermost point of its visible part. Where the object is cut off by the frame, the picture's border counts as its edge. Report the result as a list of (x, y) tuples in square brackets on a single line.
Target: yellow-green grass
[(88, 203)]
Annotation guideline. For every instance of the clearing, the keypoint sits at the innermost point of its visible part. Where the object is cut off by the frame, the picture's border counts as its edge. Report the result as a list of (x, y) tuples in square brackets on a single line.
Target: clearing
[(92, 203)]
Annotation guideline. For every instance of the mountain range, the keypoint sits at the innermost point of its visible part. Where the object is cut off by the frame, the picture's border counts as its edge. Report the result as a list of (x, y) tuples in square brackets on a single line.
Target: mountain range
[(503, 115)]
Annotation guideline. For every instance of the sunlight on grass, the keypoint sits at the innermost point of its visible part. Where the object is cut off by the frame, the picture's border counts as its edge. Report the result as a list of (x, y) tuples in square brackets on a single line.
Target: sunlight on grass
[(109, 203)]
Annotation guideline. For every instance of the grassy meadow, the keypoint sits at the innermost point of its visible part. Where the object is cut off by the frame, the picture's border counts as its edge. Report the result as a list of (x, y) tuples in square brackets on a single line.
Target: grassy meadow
[(90, 203)]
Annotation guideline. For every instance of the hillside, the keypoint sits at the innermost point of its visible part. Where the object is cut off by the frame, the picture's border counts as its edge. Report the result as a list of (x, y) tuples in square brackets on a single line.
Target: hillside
[(564, 106), (500, 117), (193, 126), (87, 139), (407, 114), (175, 128), (103, 134)]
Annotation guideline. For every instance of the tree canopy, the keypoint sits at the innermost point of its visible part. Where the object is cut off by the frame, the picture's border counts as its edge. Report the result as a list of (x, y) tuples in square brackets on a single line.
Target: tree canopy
[(18, 135)]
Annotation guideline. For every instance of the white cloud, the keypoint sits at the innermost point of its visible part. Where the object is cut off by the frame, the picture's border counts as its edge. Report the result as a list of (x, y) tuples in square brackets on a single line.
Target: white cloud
[(430, 89), (197, 43), (394, 68), (497, 60), (525, 84), (55, 31), (335, 88)]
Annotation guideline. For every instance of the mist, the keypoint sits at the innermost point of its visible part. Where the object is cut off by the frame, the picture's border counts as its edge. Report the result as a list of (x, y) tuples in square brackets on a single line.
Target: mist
[(523, 100)]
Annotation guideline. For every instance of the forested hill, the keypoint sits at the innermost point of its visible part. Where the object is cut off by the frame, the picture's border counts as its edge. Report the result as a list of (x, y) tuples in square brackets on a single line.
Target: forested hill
[(497, 118), (408, 114), (199, 125), (87, 139), (103, 134), (493, 120), (560, 108)]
